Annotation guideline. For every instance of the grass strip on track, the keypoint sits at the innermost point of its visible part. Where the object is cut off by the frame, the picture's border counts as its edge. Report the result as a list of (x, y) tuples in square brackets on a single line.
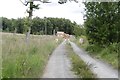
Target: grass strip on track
[(78, 66)]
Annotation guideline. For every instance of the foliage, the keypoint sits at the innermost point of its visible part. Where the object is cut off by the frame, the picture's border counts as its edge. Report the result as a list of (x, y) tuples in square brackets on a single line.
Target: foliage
[(39, 25), (102, 22), (102, 30), (79, 30)]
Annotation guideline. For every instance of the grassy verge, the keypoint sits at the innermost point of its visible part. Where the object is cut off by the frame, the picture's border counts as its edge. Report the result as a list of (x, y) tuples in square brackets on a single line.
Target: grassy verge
[(76, 40), (0, 62), (25, 61), (0, 55), (109, 54), (78, 66)]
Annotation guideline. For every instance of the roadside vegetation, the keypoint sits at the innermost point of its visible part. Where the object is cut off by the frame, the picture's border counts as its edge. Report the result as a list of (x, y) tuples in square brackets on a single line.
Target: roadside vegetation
[(108, 54), (0, 55), (101, 31), (78, 66), (21, 60)]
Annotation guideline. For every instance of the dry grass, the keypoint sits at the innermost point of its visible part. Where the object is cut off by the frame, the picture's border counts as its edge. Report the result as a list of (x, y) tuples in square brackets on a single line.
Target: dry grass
[(25, 61)]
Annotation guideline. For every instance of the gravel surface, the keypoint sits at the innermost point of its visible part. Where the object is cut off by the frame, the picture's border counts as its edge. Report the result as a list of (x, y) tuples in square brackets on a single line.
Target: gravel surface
[(101, 69), (59, 65)]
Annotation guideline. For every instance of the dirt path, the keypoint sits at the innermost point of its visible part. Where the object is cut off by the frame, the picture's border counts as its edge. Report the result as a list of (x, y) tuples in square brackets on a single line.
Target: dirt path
[(59, 65), (98, 67)]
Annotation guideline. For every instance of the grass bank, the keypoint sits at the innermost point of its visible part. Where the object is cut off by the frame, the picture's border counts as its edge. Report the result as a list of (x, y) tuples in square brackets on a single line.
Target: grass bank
[(25, 61), (78, 66), (0, 54), (108, 54)]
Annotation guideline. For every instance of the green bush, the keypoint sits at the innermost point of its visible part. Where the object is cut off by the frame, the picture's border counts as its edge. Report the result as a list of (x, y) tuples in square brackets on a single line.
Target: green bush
[(93, 49), (110, 54)]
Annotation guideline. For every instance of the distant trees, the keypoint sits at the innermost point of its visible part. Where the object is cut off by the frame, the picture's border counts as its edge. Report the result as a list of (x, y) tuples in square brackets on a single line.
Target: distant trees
[(6, 24), (39, 25), (79, 30), (102, 22)]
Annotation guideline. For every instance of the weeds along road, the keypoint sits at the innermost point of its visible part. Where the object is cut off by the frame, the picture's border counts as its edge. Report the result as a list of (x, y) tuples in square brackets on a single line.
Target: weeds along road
[(101, 69), (59, 65)]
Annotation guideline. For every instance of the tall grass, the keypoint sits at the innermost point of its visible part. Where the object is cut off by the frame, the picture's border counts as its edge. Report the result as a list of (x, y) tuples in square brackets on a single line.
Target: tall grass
[(21, 60), (0, 55), (109, 53)]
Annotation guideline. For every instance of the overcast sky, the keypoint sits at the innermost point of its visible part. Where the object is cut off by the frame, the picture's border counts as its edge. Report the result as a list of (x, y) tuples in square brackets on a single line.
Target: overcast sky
[(69, 10)]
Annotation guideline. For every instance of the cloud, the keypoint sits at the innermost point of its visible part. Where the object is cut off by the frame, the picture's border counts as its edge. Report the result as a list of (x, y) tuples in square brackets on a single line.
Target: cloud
[(69, 10)]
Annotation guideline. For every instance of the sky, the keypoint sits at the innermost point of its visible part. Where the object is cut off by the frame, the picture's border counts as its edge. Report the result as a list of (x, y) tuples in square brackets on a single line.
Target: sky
[(70, 10)]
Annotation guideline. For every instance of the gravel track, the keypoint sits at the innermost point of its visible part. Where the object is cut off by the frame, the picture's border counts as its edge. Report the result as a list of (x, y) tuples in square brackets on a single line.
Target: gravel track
[(59, 65), (101, 69)]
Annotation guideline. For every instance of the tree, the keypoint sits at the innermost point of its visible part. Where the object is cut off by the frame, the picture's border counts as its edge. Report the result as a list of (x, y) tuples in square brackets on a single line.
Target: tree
[(78, 30), (101, 23), (38, 25), (6, 23), (20, 25)]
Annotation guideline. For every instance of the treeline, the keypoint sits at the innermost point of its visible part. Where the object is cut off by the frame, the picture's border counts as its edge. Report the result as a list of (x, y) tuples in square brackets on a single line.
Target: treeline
[(102, 22), (40, 26)]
